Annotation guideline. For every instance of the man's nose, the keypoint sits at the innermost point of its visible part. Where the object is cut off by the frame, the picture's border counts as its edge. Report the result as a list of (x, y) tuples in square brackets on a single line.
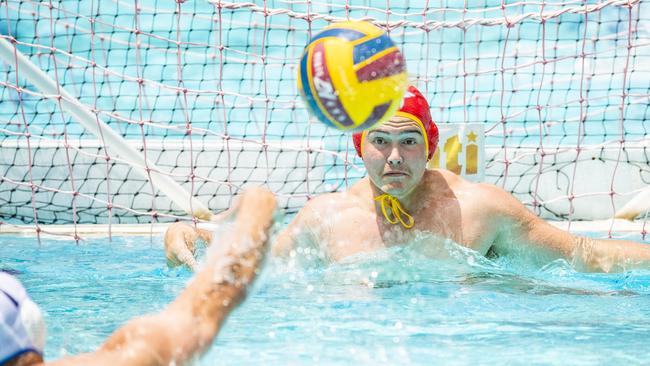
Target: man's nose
[(395, 157)]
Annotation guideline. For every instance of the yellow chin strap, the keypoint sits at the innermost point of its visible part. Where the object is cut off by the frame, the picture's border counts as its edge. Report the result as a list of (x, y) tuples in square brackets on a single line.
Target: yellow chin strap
[(396, 209)]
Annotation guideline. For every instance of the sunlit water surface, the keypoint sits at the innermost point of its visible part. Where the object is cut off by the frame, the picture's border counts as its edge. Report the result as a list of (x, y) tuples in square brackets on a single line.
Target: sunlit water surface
[(393, 307)]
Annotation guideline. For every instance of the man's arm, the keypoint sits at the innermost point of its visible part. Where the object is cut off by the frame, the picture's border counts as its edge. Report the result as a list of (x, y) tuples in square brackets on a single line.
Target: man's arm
[(188, 325), (518, 226)]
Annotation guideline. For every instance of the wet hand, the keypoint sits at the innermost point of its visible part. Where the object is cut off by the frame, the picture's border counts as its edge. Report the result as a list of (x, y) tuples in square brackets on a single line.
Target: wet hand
[(180, 244)]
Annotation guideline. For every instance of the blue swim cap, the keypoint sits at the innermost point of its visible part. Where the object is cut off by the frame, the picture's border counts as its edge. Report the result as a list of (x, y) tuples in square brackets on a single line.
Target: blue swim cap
[(22, 328)]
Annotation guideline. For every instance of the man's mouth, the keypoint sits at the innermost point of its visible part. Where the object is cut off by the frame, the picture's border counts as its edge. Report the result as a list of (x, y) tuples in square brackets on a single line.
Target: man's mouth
[(395, 174)]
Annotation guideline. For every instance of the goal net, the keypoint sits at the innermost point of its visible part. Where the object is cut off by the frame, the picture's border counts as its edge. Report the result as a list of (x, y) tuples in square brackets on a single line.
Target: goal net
[(205, 92)]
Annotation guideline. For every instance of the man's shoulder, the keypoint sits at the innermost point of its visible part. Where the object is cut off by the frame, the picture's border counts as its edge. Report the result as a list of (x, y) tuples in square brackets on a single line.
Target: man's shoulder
[(325, 199), (492, 200), (315, 209), (352, 198), (485, 196), (456, 182), (326, 202), (452, 180)]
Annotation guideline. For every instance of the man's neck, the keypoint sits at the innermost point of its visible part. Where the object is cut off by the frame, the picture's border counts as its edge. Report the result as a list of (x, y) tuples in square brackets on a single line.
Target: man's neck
[(409, 201)]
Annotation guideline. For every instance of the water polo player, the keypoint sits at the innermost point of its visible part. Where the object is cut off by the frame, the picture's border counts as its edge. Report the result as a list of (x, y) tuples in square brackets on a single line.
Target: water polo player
[(400, 199), (179, 333)]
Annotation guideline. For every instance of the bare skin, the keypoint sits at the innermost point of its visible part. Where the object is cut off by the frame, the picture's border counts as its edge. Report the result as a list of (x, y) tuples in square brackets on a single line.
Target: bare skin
[(180, 244), (181, 239), (186, 327), (479, 216), (443, 205)]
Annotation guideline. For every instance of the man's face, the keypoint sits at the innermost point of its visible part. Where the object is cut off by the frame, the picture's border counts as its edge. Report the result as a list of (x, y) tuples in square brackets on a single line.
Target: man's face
[(394, 156)]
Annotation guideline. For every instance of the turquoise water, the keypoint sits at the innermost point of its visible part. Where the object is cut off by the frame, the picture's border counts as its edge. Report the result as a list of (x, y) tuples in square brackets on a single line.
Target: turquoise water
[(461, 310)]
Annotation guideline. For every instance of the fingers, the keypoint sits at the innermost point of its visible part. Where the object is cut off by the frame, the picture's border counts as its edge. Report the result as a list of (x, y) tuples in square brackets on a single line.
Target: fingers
[(174, 231), (187, 258), (205, 235), (180, 255), (179, 245), (254, 210)]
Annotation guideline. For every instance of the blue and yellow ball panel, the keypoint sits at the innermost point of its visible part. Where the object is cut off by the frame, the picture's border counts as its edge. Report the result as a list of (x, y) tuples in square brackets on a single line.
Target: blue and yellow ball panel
[(370, 47)]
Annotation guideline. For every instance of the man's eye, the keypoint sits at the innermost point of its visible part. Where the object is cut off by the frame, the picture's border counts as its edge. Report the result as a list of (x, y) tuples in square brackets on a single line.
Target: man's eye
[(410, 142), (379, 140)]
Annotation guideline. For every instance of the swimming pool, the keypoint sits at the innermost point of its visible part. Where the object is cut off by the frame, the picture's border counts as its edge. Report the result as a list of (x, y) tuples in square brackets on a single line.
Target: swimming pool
[(461, 310)]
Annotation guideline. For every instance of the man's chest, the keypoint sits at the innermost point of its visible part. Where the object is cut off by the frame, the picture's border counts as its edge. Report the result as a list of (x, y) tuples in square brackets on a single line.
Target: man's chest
[(358, 231)]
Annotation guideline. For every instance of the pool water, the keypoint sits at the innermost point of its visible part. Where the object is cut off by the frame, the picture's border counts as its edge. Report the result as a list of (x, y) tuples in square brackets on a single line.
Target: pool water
[(393, 307)]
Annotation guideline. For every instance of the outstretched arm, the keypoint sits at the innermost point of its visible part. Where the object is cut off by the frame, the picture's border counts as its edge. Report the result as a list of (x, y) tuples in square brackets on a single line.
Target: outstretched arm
[(188, 325), (519, 226)]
